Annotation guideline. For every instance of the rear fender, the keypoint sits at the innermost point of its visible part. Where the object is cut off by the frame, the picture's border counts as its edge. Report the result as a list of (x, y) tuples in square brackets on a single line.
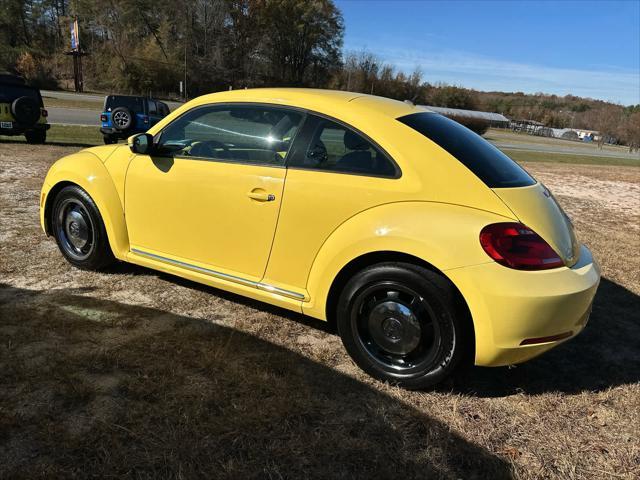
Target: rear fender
[(444, 235)]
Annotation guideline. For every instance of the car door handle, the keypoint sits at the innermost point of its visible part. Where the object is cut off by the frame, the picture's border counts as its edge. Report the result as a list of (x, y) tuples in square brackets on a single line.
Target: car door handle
[(261, 196)]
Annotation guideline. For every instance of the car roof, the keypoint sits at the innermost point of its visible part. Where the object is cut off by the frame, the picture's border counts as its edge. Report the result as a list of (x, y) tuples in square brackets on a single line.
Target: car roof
[(322, 100)]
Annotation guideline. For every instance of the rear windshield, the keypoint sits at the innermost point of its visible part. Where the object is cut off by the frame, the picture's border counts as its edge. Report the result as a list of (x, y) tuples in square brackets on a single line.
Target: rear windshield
[(132, 103), (492, 166), (8, 93)]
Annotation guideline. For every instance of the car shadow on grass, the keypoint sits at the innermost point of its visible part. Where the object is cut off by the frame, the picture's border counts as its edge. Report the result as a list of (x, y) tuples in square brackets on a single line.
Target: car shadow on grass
[(606, 354), (93, 387)]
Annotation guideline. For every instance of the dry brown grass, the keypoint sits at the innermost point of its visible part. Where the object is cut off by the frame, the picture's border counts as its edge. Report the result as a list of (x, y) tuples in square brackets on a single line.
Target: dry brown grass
[(136, 374)]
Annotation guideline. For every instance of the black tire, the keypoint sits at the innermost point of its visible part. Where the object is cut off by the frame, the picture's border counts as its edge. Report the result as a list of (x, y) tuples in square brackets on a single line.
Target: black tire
[(26, 111), (36, 136), (109, 140), (121, 118), (79, 230), (402, 324)]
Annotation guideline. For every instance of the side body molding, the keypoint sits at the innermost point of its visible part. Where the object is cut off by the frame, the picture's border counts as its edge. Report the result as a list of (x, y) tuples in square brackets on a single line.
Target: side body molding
[(89, 172), (444, 235)]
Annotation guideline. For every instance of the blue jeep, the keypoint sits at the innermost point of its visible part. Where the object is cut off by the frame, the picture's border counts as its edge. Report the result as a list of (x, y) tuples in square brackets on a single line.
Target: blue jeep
[(125, 115)]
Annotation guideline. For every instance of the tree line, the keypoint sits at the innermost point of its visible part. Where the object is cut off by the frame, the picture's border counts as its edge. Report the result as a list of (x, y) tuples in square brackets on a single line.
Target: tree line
[(149, 46)]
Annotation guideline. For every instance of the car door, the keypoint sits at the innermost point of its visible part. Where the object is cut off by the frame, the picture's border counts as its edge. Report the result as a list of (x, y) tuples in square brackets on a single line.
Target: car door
[(334, 172), (210, 194)]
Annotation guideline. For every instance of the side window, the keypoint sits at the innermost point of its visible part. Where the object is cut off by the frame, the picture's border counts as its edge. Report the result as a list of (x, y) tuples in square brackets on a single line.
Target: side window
[(152, 107), (245, 134), (336, 148)]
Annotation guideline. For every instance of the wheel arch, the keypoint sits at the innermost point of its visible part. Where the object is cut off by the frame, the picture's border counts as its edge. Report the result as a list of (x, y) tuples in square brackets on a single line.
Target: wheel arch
[(388, 256), (87, 172)]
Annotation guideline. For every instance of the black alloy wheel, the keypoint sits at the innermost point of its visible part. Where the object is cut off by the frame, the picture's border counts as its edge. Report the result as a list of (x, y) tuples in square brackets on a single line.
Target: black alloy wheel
[(403, 324), (79, 230)]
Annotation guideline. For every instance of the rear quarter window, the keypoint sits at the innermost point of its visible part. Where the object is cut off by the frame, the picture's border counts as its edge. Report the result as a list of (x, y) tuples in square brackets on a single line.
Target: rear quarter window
[(488, 163), (132, 103)]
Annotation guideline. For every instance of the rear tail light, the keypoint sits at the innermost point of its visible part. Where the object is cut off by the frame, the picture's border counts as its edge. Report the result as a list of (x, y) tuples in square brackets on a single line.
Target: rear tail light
[(515, 245), (44, 113), (103, 118)]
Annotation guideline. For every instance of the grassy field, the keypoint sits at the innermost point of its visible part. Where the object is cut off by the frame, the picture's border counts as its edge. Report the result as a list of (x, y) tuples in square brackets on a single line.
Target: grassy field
[(65, 135), (72, 103), (528, 156), (499, 135), (133, 373)]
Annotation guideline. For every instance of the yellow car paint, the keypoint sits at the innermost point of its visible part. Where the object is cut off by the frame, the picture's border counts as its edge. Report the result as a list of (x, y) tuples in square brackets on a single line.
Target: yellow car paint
[(207, 221), (211, 204)]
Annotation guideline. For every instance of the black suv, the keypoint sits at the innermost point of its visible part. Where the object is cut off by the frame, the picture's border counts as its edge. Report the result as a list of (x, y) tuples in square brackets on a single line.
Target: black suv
[(125, 115), (21, 110)]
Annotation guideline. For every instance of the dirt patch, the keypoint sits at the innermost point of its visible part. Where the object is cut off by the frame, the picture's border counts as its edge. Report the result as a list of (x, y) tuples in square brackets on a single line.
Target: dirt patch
[(133, 373)]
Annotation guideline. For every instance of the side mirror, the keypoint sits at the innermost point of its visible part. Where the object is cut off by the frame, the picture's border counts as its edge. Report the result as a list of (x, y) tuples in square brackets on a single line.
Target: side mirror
[(141, 144)]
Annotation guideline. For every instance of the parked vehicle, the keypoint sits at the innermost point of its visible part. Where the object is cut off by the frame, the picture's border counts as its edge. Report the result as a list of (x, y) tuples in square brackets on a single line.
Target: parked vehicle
[(125, 115), (421, 241), (21, 110)]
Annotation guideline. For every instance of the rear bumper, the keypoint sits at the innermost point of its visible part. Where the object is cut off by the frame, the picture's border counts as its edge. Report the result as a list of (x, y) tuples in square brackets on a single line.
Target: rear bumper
[(20, 129), (518, 315), (112, 132)]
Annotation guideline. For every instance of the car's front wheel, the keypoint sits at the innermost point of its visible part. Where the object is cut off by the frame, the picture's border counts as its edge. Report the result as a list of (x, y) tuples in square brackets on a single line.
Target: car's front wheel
[(401, 323), (79, 230)]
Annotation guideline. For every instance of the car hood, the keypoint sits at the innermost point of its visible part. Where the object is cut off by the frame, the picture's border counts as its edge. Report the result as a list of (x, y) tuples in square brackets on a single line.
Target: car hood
[(536, 207)]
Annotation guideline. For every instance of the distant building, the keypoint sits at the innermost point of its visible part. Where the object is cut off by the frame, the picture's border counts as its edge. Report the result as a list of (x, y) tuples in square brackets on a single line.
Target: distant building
[(528, 126)]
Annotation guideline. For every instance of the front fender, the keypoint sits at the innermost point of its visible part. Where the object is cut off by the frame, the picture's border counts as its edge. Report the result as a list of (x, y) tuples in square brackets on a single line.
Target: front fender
[(87, 171), (444, 235)]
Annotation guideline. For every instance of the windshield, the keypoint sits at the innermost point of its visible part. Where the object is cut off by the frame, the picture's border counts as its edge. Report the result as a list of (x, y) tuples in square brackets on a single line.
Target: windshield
[(132, 103), (8, 93), (488, 163)]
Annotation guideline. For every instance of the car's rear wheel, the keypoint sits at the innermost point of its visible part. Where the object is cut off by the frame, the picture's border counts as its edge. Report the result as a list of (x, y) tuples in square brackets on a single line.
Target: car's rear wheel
[(79, 230), (401, 323), (36, 136)]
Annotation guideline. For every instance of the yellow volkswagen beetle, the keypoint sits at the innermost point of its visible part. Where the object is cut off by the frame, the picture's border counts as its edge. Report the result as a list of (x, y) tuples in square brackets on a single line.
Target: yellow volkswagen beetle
[(422, 242)]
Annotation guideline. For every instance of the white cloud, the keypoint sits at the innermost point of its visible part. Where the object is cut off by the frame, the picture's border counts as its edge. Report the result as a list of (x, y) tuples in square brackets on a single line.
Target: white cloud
[(487, 73)]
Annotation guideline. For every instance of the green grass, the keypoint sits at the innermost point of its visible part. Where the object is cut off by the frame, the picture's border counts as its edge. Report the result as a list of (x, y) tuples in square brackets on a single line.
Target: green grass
[(74, 134), (66, 135), (549, 157), (72, 103)]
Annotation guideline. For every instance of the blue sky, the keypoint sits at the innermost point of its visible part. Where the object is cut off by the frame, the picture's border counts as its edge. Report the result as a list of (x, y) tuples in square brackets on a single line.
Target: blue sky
[(587, 48)]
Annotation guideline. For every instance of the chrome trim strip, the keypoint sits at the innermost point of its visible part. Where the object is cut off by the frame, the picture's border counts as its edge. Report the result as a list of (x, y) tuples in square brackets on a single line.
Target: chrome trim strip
[(280, 291), (213, 273), (224, 276)]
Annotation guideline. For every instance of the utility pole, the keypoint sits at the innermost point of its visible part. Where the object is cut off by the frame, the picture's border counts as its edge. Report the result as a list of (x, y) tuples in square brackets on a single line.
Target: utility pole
[(185, 69), (186, 36), (77, 53)]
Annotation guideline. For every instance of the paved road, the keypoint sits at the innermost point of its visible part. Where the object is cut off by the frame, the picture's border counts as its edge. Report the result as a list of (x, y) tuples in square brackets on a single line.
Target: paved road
[(80, 116), (91, 98), (74, 116)]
